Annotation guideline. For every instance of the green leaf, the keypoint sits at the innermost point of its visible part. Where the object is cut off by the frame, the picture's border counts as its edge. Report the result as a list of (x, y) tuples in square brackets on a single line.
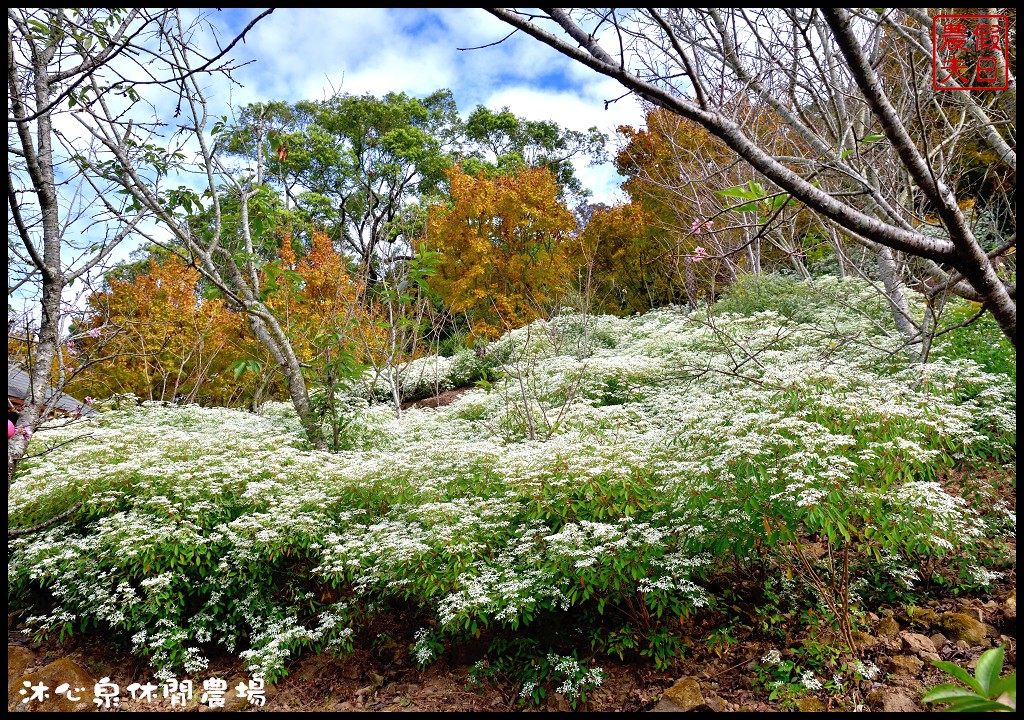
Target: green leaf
[(239, 368), (945, 693), (39, 25), (1007, 684), (990, 664), (977, 704), (871, 139), (959, 673), (739, 191)]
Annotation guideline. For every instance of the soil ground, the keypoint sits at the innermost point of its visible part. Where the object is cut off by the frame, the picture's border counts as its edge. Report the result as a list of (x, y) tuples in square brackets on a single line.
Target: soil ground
[(385, 678)]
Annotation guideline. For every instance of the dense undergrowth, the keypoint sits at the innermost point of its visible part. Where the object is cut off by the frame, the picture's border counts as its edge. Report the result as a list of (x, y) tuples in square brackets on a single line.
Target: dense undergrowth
[(612, 480)]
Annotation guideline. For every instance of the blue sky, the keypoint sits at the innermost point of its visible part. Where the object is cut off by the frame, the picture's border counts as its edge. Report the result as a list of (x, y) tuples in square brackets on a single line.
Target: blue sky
[(307, 54)]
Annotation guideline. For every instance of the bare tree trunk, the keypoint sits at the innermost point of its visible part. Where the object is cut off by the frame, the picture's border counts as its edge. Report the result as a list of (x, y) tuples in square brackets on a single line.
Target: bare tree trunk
[(897, 300), (50, 74), (840, 256)]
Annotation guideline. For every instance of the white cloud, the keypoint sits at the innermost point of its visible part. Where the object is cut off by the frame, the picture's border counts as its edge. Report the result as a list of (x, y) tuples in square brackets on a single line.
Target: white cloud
[(306, 54)]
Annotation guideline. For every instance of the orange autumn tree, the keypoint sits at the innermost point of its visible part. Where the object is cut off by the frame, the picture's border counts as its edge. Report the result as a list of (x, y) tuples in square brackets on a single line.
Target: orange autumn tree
[(331, 324), (662, 163), (321, 305), (506, 249), (163, 341), (686, 179), (318, 301)]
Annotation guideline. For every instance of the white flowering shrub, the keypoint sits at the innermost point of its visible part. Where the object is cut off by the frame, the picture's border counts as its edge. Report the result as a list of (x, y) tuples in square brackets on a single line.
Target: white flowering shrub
[(676, 449), (426, 376)]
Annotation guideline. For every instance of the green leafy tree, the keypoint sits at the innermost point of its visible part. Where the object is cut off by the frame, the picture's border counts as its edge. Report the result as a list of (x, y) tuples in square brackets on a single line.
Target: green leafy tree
[(361, 162), (502, 143)]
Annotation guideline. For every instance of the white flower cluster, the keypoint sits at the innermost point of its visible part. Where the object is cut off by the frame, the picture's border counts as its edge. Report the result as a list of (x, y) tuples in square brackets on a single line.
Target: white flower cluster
[(657, 441), (578, 681), (868, 671), (810, 682), (423, 649)]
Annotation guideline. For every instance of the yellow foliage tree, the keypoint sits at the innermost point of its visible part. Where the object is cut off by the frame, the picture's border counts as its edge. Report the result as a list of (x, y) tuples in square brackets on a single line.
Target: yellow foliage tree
[(625, 269), (163, 341), (506, 250)]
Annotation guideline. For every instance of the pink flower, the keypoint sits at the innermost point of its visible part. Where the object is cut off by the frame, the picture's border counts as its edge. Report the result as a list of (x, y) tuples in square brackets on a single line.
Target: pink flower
[(699, 254), (26, 431), (697, 226), (94, 333), (89, 400)]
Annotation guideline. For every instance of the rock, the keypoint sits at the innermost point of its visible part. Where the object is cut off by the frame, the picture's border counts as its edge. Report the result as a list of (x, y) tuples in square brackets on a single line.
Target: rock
[(887, 628), (961, 626), (972, 610), (910, 683), (76, 697), (809, 704), (991, 631), (905, 665), (715, 703), (684, 696), (19, 659), (929, 657), (916, 643), (864, 640), (1010, 605), (898, 702), (923, 616), (557, 702), (875, 697), (939, 641), (389, 652)]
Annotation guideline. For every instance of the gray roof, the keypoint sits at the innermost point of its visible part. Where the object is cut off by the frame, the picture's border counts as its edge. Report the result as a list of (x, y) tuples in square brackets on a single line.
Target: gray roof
[(18, 383)]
